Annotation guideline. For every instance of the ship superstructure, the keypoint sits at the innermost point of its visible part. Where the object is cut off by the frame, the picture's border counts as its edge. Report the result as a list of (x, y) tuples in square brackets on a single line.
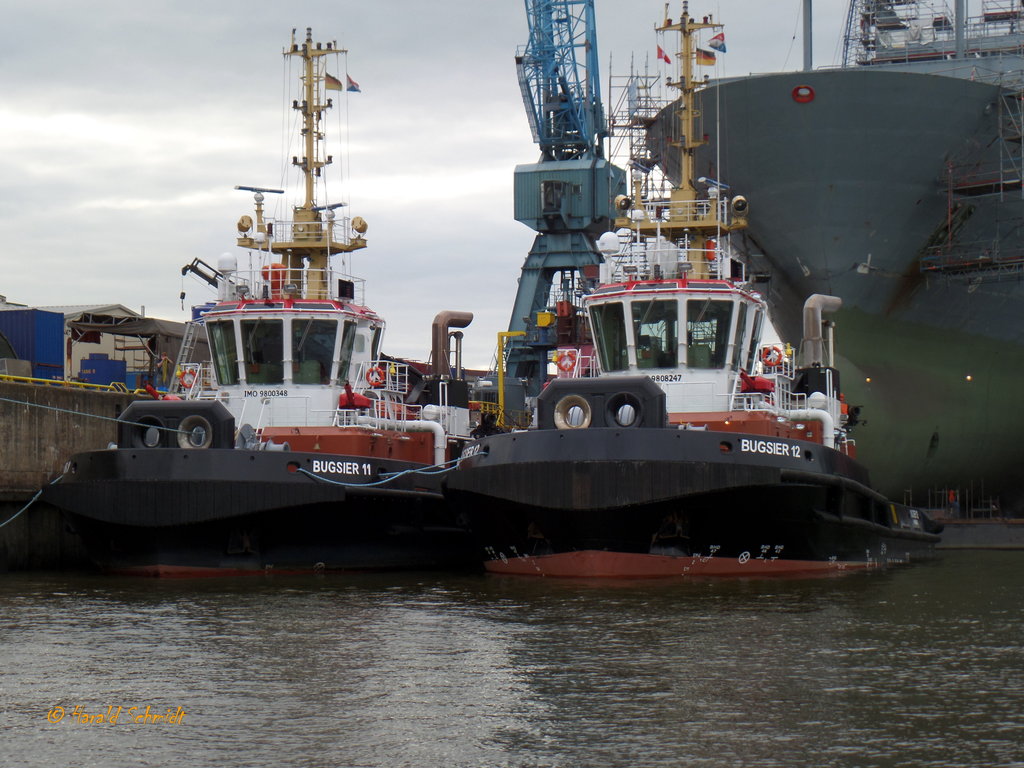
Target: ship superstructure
[(697, 449), (894, 183), (300, 446)]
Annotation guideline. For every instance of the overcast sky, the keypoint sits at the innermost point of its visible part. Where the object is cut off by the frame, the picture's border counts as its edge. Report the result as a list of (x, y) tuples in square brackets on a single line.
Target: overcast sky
[(124, 127)]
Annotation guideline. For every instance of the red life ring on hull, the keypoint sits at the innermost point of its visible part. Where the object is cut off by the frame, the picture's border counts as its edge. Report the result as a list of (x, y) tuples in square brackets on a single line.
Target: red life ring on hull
[(375, 376), (772, 357), (803, 94), (187, 378)]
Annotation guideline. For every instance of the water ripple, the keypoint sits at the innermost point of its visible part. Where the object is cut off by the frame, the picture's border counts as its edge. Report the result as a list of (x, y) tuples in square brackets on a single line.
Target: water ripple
[(920, 666)]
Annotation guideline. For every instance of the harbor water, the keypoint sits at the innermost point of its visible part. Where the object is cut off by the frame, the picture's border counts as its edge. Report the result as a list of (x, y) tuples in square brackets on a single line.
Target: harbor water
[(915, 666)]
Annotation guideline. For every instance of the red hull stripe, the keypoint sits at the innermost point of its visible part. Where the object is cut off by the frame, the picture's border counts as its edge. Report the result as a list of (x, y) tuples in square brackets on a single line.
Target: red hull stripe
[(597, 564)]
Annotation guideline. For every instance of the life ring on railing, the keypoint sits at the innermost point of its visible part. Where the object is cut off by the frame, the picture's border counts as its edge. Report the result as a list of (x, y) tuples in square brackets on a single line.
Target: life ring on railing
[(566, 360), (772, 357), (187, 378), (710, 248), (375, 376), (275, 274)]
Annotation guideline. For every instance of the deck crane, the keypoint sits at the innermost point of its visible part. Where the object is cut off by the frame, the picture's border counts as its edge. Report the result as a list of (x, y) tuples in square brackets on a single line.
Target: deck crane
[(568, 195)]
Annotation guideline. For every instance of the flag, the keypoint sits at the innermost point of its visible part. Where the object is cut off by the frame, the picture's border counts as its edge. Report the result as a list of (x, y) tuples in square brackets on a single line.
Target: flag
[(663, 56), (352, 85), (332, 83), (705, 58), (718, 42)]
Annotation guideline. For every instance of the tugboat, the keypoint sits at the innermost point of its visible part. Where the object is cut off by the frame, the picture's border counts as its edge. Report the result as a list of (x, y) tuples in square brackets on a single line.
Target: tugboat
[(299, 447), (697, 449)]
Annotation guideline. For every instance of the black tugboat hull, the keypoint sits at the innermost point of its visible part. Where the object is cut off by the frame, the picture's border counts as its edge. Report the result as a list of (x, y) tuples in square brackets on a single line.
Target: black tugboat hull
[(670, 502), (219, 511)]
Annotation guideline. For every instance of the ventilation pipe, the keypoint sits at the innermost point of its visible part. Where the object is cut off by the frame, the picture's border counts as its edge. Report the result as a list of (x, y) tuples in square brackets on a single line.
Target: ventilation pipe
[(439, 338), (812, 348), (828, 424)]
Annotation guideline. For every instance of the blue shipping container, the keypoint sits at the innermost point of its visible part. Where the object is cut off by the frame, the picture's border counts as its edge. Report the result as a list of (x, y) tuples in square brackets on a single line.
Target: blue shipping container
[(37, 336), (136, 379), (100, 369)]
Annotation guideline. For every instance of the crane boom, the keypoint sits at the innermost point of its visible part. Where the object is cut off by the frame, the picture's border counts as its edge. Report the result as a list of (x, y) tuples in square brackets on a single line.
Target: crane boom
[(568, 195), (559, 79)]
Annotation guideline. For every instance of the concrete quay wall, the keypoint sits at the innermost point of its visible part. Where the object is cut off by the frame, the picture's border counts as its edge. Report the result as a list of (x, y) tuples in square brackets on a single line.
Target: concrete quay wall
[(40, 428)]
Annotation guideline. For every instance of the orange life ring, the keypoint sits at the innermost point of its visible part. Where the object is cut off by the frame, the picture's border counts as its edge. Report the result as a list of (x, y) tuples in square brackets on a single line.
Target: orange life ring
[(772, 357), (187, 378), (566, 360), (375, 376), (709, 249)]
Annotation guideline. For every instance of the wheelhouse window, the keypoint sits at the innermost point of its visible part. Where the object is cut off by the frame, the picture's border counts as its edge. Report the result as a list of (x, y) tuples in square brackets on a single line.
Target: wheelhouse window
[(312, 350), (656, 330), (348, 340), (378, 332), (707, 332), (224, 350), (755, 339), (610, 335), (737, 342), (263, 348)]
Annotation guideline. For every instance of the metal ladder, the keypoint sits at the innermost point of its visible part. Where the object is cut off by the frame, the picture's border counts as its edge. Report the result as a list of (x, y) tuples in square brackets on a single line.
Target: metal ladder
[(188, 346)]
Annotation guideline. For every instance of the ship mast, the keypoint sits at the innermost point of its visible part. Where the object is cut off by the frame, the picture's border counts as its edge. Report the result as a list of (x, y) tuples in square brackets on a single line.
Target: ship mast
[(314, 235), (690, 220), (686, 111)]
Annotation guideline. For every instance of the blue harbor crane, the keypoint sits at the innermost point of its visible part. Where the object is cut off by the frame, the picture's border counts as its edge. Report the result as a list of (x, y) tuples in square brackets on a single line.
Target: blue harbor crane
[(568, 195)]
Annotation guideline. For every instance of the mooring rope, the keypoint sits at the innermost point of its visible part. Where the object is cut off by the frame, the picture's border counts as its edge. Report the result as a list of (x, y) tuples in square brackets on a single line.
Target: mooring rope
[(31, 501), (89, 415)]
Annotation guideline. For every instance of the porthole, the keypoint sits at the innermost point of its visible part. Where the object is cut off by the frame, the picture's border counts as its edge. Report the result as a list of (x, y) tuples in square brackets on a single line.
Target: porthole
[(195, 432), (624, 410), (147, 432), (151, 437), (576, 416), (572, 412)]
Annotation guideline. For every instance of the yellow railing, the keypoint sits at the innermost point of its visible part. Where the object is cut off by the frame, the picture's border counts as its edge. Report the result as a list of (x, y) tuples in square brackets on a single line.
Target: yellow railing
[(503, 336), (117, 386)]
